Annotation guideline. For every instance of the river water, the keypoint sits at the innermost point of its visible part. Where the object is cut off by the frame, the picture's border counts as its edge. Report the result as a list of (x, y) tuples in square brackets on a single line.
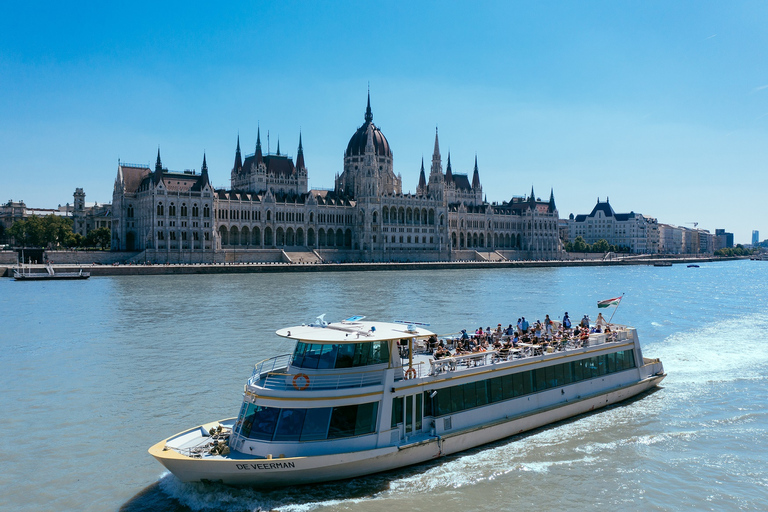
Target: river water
[(95, 372)]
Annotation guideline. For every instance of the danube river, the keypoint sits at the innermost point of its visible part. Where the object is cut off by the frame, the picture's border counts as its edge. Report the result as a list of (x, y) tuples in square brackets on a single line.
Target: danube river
[(95, 372)]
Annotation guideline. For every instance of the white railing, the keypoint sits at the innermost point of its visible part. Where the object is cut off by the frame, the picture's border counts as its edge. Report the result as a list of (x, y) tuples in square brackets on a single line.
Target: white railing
[(302, 381)]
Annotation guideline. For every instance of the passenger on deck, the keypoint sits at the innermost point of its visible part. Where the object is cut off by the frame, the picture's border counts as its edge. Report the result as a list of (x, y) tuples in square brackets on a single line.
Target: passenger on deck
[(566, 322), (537, 331), (600, 320), (548, 325), (525, 325), (585, 322), (464, 335), (519, 326), (515, 340), (510, 330)]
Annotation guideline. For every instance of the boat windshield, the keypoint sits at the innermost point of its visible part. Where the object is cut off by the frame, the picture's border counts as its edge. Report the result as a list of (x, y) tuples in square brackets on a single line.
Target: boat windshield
[(344, 355)]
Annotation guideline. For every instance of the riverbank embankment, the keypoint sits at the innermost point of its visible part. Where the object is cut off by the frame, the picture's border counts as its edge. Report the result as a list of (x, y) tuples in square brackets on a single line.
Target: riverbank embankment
[(272, 267)]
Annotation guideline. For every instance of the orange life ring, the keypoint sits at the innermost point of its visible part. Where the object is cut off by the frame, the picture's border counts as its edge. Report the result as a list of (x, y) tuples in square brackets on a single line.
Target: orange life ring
[(410, 373), (303, 376)]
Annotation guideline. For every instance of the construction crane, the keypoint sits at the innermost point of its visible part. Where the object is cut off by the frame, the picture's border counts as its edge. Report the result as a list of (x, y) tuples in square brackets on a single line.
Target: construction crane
[(695, 224)]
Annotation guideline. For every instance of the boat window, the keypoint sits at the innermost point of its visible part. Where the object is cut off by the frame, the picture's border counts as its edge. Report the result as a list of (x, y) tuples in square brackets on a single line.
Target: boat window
[(418, 412), (366, 418), (312, 356), (466, 396), (327, 357), (298, 354), (289, 425), (260, 422), (316, 424), (397, 411), (343, 355), (481, 390), (353, 420), (409, 413)]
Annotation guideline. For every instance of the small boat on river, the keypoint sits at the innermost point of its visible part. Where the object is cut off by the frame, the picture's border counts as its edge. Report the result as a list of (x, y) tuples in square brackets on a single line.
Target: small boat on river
[(358, 397), (49, 274)]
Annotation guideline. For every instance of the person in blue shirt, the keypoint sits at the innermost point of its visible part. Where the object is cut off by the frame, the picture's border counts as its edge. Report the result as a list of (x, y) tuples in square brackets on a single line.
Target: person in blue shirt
[(524, 325)]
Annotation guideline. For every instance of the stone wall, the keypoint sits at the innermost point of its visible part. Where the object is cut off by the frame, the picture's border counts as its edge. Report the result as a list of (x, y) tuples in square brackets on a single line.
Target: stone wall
[(9, 257), (86, 257)]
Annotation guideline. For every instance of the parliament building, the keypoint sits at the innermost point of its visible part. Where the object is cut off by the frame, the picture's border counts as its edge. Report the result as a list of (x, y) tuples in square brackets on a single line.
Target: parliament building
[(270, 214)]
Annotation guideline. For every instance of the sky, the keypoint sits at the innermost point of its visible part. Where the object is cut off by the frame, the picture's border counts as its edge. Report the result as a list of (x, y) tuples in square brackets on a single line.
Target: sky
[(660, 106)]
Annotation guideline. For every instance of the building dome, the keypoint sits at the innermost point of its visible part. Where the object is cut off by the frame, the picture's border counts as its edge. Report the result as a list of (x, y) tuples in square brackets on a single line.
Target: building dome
[(359, 140)]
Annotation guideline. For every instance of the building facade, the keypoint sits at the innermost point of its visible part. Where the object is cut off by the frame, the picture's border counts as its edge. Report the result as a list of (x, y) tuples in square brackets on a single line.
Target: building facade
[(365, 217), (639, 233)]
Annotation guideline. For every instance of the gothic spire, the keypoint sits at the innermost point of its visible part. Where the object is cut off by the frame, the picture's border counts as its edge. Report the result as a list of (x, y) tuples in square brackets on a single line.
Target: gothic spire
[(422, 179), (204, 168), (368, 112), (552, 200), (476, 176), (238, 157), (532, 199), (436, 152), (259, 155), (158, 163), (300, 155), (448, 172), (278, 146)]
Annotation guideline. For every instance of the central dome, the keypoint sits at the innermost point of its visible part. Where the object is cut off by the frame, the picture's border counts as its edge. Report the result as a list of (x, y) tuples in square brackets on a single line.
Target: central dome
[(359, 140)]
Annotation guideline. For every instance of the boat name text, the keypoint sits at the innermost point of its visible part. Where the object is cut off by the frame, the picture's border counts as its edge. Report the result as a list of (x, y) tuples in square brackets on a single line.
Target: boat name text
[(271, 465)]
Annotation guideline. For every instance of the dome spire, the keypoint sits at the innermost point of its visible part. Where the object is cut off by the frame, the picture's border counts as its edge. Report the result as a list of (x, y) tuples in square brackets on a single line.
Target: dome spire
[(368, 112)]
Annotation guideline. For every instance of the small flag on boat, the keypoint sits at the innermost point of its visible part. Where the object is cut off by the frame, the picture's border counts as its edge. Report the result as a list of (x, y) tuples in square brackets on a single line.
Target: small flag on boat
[(610, 302)]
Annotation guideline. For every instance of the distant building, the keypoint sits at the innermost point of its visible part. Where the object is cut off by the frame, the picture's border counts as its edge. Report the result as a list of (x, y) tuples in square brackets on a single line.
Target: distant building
[(723, 240), (366, 216), (670, 239), (639, 233), (85, 216), (755, 238)]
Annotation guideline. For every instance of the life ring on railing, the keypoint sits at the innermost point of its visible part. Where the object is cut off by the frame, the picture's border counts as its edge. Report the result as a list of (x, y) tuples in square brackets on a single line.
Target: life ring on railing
[(410, 373), (301, 376)]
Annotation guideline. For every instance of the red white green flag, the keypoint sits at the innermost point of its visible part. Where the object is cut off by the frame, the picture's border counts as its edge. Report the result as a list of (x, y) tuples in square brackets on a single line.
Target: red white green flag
[(609, 302)]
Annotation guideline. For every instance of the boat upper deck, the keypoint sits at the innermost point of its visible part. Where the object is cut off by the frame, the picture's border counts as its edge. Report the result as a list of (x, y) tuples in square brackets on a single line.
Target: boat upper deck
[(273, 374)]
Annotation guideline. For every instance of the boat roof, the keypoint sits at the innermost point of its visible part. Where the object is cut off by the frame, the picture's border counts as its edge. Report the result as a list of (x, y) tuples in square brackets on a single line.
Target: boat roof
[(354, 331)]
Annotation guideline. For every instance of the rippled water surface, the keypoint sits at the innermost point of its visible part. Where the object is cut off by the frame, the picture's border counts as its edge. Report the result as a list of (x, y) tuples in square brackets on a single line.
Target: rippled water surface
[(95, 372)]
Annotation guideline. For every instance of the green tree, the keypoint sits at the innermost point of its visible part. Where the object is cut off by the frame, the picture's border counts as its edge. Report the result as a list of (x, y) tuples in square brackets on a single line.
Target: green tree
[(99, 237), (35, 231), (579, 245), (601, 245)]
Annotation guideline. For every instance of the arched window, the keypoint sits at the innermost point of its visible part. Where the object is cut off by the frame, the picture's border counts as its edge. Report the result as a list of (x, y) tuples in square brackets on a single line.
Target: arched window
[(311, 237), (195, 210), (160, 209), (311, 216), (130, 211), (183, 209), (234, 236), (172, 210), (224, 235), (206, 211), (269, 215)]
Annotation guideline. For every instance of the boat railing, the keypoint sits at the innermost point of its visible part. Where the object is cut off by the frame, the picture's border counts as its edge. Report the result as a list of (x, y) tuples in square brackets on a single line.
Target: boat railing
[(304, 381), (273, 364), (524, 350)]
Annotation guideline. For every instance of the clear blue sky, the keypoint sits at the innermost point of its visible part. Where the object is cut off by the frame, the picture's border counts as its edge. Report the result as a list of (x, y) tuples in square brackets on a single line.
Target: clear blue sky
[(661, 106)]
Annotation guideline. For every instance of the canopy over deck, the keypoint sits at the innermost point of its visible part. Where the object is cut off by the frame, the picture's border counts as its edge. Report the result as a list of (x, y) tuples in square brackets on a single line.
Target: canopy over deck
[(353, 332)]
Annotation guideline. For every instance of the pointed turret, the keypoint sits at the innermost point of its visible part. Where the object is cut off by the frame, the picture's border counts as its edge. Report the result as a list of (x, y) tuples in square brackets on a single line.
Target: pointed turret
[(300, 155), (259, 155), (238, 157), (204, 168), (422, 179), (476, 176), (158, 162), (532, 199), (448, 172), (552, 207), (278, 146), (436, 171)]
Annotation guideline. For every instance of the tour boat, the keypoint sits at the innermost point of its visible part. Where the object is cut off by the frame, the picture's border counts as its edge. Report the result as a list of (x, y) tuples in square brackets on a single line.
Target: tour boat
[(359, 397)]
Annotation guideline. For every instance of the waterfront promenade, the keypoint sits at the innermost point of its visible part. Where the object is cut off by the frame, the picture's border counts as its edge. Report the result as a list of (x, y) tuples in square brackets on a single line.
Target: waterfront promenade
[(273, 267)]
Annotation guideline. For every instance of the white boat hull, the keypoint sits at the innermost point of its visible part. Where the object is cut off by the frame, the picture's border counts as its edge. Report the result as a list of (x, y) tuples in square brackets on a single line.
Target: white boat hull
[(269, 473)]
